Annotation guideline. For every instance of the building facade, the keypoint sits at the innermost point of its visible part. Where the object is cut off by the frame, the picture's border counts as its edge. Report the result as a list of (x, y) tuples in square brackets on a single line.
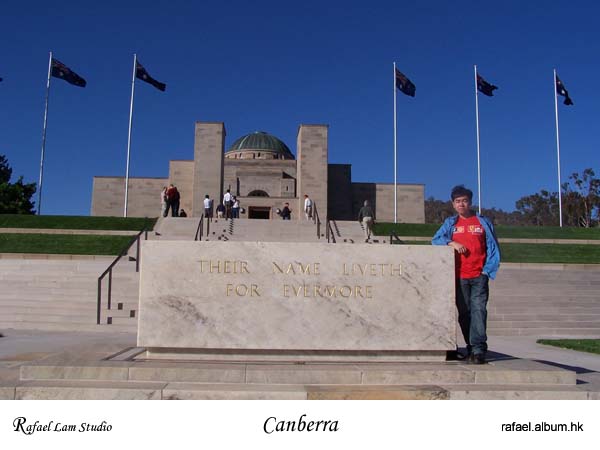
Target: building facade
[(262, 172)]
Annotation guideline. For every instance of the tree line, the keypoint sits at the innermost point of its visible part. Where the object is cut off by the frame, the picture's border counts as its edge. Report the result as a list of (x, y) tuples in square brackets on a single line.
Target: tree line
[(580, 206), (15, 198)]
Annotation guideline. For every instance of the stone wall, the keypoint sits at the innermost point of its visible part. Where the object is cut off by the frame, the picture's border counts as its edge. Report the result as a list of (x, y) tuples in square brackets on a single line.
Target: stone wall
[(209, 147), (181, 174), (312, 155), (275, 177), (411, 201), (108, 196), (339, 195)]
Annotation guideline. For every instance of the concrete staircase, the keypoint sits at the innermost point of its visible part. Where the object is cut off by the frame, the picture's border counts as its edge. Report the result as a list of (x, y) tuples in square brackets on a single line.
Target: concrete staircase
[(60, 295), (174, 228), (103, 374), (545, 302), (352, 232)]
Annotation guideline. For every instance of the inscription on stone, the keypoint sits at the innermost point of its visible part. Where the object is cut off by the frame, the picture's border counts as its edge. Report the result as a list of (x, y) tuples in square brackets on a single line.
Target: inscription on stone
[(296, 296)]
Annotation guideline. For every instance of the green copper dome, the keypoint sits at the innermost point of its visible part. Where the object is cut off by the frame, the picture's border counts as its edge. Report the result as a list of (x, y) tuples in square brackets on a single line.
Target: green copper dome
[(259, 145)]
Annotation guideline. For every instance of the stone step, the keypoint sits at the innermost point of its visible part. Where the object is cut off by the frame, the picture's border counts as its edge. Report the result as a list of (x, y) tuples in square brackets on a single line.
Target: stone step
[(499, 372), (88, 390), (544, 317), (94, 390), (6, 323), (52, 304), (545, 332), (542, 324), (519, 392), (57, 378)]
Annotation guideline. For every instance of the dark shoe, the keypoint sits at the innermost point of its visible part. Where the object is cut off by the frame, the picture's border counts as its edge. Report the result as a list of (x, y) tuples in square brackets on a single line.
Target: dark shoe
[(479, 358), (455, 355)]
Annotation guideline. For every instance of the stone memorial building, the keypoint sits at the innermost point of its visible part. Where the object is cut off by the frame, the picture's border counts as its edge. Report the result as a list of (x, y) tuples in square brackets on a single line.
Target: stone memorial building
[(263, 173)]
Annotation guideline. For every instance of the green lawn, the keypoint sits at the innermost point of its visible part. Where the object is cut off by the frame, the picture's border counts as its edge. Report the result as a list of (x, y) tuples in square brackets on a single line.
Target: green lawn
[(75, 222), (543, 253), (551, 253), (428, 229), (582, 345), (62, 244)]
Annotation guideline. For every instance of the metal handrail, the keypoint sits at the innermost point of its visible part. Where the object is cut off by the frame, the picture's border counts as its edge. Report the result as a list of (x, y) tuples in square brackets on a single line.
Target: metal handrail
[(198, 235), (317, 220), (135, 239), (393, 235), (329, 232)]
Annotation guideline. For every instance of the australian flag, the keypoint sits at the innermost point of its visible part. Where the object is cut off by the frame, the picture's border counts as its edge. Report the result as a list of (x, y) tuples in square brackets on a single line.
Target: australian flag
[(404, 84), (560, 90), (143, 75), (59, 70), (484, 87)]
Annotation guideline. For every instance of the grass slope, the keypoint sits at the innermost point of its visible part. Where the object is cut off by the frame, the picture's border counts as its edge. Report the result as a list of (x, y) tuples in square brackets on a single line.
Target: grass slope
[(76, 222), (62, 244), (428, 230), (543, 253)]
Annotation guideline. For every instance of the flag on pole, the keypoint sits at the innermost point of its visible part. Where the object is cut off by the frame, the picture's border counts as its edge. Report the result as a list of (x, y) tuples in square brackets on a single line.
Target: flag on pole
[(484, 87), (560, 90), (404, 84), (142, 74), (59, 70)]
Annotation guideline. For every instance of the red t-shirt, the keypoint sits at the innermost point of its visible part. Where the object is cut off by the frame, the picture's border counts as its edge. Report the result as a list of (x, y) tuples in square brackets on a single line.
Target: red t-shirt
[(470, 233)]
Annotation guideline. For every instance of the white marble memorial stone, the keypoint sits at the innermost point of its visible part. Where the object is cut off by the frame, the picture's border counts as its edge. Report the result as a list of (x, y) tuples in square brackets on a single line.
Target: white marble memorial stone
[(296, 296)]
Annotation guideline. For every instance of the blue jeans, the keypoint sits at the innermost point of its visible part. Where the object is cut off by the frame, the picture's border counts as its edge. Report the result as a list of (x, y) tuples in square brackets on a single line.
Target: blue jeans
[(471, 301)]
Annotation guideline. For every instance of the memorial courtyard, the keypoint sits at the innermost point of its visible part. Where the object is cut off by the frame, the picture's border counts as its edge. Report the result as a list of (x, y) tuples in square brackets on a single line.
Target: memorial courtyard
[(272, 309)]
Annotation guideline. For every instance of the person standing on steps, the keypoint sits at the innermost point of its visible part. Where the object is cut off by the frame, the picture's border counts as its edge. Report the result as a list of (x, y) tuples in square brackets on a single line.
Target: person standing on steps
[(228, 203), (286, 212), (208, 207), (366, 216), (308, 207), (477, 256), (173, 198), (163, 202), (236, 208)]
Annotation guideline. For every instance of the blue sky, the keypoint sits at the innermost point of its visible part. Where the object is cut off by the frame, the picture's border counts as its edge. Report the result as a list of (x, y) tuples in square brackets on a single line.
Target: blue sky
[(272, 65)]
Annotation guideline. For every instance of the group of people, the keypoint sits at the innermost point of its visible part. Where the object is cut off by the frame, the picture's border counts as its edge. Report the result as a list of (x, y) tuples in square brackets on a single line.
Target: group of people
[(169, 200), (286, 212), (229, 208)]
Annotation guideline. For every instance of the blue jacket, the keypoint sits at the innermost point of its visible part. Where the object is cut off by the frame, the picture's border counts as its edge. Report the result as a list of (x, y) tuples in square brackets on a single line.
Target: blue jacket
[(492, 259)]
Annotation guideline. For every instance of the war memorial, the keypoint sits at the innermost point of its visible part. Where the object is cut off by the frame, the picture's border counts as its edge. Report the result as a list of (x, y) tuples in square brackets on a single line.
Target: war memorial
[(262, 308), (263, 173)]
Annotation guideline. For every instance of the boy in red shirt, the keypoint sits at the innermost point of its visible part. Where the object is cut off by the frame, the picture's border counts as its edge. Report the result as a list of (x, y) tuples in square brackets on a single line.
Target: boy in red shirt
[(477, 260)]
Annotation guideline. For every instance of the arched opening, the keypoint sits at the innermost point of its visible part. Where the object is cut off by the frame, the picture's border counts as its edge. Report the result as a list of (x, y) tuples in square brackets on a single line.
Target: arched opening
[(258, 193)]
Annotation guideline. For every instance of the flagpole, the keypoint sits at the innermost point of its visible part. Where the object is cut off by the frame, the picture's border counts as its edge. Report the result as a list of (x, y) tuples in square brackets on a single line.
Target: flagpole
[(558, 153), (129, 135), (39, 205), (478, 154), (395, 145)]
